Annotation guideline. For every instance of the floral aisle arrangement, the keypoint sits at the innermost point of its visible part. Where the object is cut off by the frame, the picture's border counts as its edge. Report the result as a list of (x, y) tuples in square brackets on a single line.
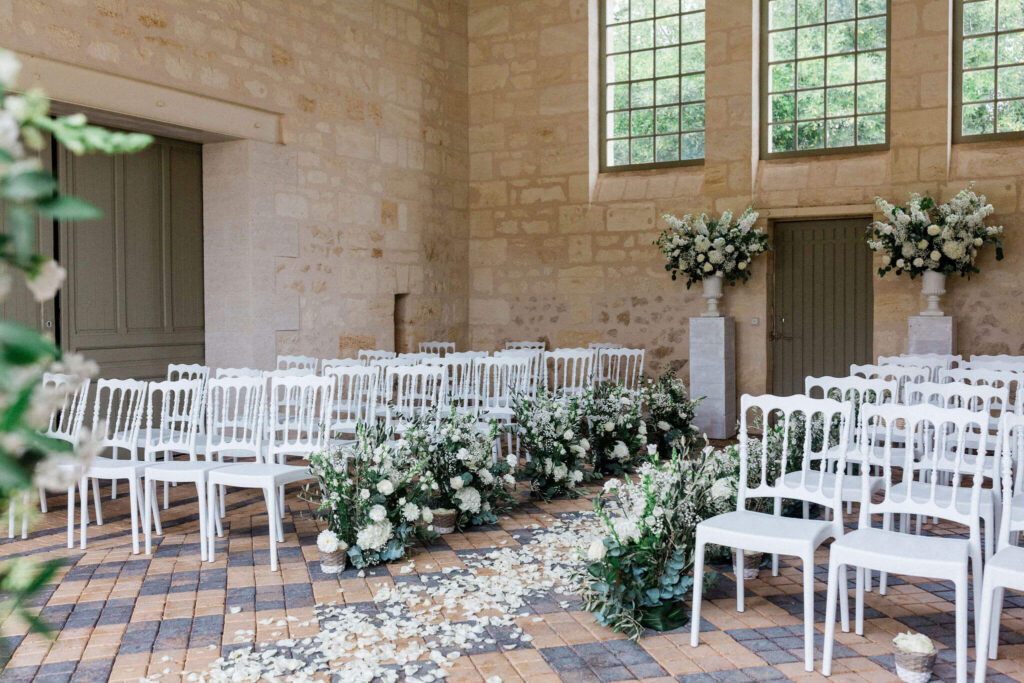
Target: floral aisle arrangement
[(618, 434), (638, 575), (670, 415), (28, 459), (550, 429), (372, 497), (460, 466), (925, 236), (697, 247)]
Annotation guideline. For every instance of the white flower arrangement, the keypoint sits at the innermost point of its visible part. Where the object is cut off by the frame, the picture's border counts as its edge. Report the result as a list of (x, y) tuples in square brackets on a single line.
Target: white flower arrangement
[(698, 247), (670, 414), (923, 235), (915, 643), (550, 428), (618, 433)]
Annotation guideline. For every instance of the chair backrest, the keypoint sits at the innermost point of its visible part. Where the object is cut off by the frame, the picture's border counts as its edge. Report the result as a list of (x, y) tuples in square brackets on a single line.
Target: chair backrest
[(303, 362), (412, 390), (1011, 381), (368, 355), (942, 440), (496, 381), (995, 365), (569, 371), (535, 345), (1011, 470), (172, 416), (177, 371), (934, 362), (238, 372), (855, 390), (354, 393), (288, 372), (69, 411), (327, 363), (298, 415), (458, 376), (415, 358), (998, 358), (603, 345), (536, 371), (620, 366), (901, 373), (235, 414), (117, 412), (778, 433), (390, 362), (438, 348), (974, 397)]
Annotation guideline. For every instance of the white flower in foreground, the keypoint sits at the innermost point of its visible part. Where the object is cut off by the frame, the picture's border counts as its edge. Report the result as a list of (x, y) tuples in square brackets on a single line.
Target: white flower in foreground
[(45, 283), (917, 643), (375, 536), (386, 487), (10, 67), (576, 476), (609, 426), (327, 541), (596, 551), (568, 435), (364, 494), (584, 445), (456, 483), (411, 512), (427, 514), (664, 426), (652, 448), (626, 529), (620, 451), (468, 499), (721, 489), (485, 476), (378, 513)]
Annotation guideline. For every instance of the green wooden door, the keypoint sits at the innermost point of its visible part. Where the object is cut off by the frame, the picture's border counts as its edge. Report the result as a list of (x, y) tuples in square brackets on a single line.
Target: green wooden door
[(822, 302), (133, 300)]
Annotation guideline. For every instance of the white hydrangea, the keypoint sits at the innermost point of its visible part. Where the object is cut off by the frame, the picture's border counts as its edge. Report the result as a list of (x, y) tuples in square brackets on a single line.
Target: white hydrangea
[(468, 499), (411, 512), (374, 536), (456, 483), (378, 513), (385, 487)]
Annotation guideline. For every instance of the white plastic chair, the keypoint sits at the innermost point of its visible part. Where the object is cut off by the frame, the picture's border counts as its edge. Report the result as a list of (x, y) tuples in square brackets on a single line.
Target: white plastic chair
[(930, 430), (301, 362), (748, 530), (1011, 381), (621, 366), (65, 424), (172, 426), (458, 379), (496, 383), (528, 345), (411, 390), (998, 358), (328, 363), (437, 348), (298, 416), (118, 409), (901, 373), (569, 371), (603, 345), (935, 362), (353, 390), (237, 372), (368, 355), (536, 368), (1006, 568)]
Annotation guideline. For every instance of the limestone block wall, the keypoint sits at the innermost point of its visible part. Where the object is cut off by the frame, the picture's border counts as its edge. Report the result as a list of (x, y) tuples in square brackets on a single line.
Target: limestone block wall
[(370, 189), (562, 252)]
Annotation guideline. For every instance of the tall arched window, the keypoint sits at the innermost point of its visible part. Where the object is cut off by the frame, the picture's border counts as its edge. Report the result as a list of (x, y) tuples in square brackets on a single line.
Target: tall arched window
[(988, 50)]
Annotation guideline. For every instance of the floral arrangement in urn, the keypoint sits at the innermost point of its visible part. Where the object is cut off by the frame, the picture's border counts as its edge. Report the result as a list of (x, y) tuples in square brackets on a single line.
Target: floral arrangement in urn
[(639, 574), (460, 468), (550, 428), (372, 497), (924, 236), (618, 434)]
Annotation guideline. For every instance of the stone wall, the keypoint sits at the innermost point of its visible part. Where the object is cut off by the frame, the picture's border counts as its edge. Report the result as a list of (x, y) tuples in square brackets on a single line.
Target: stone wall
[(370, 191), (561, 252)]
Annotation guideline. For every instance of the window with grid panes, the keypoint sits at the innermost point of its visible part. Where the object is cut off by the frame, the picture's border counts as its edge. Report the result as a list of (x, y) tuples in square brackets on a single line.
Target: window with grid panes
[(989, 54), (824, 75), (652, 83)]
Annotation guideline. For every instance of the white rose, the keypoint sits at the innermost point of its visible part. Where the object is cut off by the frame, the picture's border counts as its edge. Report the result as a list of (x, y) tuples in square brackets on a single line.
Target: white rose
[(427, 514), (568, 435), (708, 267), (584, 445), (923, 244), (468, 499), (742, 265), (934, 230), (900, 263), (596, 551), (652, 449), (512, 460), (45, 283), (620, 451), (386, 487), (664, 426), (364, 494), (456, 483), (378, 513), (918, 262), (886, 259), (609, 426), (935, 255), (977, 241)]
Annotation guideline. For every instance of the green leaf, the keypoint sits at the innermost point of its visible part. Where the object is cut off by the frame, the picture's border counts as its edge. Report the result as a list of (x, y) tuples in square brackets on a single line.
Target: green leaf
[(21, 345), (67, 208), (28, 186)]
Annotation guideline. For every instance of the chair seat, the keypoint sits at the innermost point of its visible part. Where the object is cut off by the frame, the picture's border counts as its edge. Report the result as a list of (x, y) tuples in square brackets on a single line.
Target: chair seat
[(765, 533), (852, 484), (106, 467), (1006, 568), (898, 553), (257, 474), (943, 493), (181, 470)]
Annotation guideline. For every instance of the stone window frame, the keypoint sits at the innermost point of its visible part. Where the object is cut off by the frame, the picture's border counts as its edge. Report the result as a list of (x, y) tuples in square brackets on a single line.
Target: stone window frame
[(958, 78), (764, 70), (603, 108)]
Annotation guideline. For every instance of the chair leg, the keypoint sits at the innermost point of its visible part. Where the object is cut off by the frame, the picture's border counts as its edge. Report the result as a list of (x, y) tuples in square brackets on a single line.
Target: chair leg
[(96, 501), (24, 518), (10, 519), (42, 499), (133, 503), (271, 526), (844, 600), (203, 521), (148, 493), (830, 616), (988, 632), (738, 568), (213, 519), (961, 627), (113, 489), (71, 516), (698, 590), (860, 600), (83, 496), (775, 556), (155, 504), (993, 621), (977, 578), (809, 612)]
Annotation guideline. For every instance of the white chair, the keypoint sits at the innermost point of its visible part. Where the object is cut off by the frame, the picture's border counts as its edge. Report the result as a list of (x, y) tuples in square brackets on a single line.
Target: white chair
[(569, 371), (353, 390), (237, 372), (368, 355), (621, 366), (496, 383), (935, 362), (902, 374), (998, 358), (437, 348), (536, 368), (301, 362), (298, 416), (410, 391), (929, 430), (1011, 381), (527, 345), (603, 345), (328, 363), (172, 426), (415, 358), (1006, 568), (118, 409), (748, 530), (65, 424), (458, 379)]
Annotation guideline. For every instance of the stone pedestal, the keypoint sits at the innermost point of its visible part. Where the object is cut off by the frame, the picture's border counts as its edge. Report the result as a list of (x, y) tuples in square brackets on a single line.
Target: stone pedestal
[(931, 334), (713, 375)]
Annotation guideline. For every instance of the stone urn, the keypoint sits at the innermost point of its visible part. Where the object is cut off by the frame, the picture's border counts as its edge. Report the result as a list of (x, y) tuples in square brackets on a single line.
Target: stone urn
[(933, 286), (712, 293)]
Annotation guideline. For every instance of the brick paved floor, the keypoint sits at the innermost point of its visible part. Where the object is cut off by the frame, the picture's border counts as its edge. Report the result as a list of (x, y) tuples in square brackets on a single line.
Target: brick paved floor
[(120, 616)]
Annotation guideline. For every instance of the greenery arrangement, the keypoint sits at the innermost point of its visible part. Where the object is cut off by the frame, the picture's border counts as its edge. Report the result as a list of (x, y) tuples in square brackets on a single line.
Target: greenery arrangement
[(550, 428), (639, 574), (29, 459), (925, 236), (697, 247), (669, 415), (617, 431), (372, 496), (461, 469)]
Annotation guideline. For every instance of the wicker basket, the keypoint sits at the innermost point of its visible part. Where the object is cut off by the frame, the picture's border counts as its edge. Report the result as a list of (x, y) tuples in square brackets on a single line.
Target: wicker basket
[(751, 564), (913, 667), (333, 563), (444, 521)]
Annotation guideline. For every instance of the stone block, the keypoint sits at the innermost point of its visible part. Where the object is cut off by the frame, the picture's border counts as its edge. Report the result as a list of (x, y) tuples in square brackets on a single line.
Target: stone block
[(713, 374), (931, 334)]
